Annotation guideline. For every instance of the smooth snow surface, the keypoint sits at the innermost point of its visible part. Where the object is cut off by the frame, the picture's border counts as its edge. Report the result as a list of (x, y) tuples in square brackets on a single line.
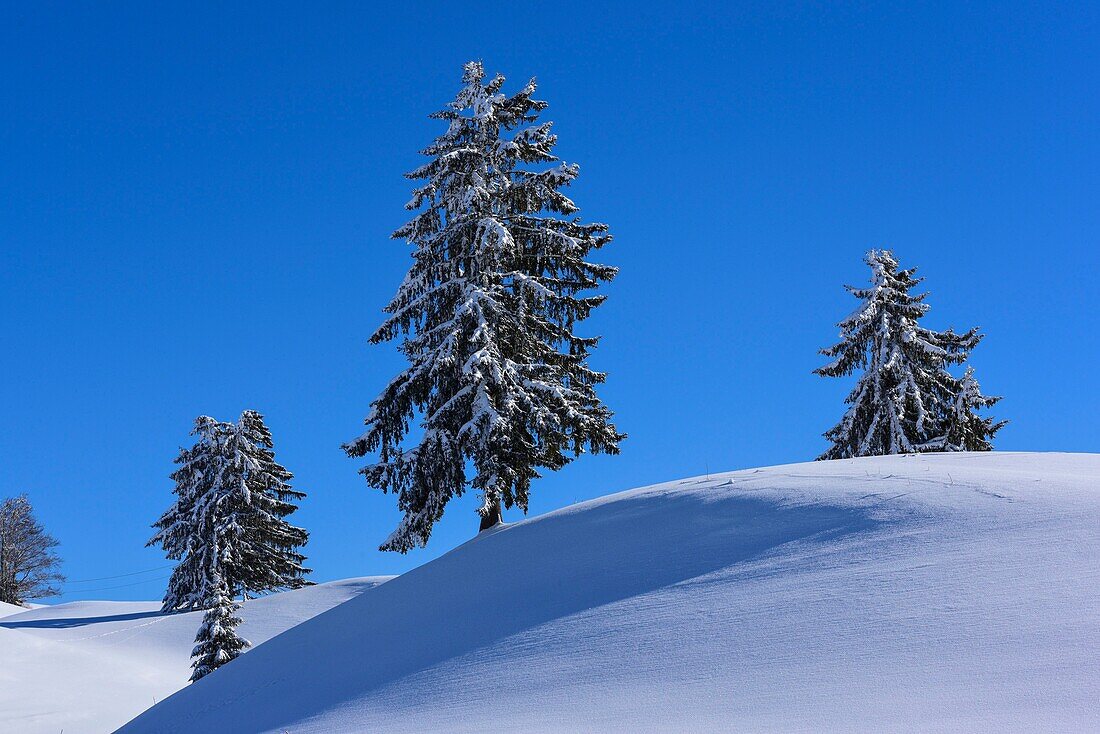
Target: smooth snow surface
[(88, 667), (951, 592), (6, 610)]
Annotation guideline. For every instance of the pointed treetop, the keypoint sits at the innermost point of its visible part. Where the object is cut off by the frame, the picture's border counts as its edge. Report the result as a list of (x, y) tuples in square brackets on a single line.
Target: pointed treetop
[(473, 72)]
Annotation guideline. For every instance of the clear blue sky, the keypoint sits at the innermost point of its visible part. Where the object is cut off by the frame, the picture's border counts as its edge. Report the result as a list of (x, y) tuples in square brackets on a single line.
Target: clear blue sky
[(195, 206)]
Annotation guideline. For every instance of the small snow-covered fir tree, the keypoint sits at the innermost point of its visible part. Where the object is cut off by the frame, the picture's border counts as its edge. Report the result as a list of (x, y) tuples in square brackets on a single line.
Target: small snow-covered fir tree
[(967, 431), (217, 641), (228, 521), (901, 401), (497, 377)]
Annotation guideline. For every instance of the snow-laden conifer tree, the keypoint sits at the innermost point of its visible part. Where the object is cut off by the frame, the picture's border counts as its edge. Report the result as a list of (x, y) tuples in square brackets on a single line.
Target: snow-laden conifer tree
[(498, 379), (179, 529), (228, 523), (967, 431), (217, 641), (271, 559), (901, 402)]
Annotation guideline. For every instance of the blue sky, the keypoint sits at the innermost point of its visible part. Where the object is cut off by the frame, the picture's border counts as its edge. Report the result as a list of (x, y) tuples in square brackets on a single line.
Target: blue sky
[(195, 207)]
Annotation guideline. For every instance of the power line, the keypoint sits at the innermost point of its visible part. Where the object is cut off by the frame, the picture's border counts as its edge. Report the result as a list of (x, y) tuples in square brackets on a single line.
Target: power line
[(122, 586), (121, 575)]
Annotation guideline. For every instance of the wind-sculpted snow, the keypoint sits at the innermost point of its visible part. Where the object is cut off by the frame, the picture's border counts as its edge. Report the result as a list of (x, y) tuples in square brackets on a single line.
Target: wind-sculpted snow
[(88, 667), (950, 592)]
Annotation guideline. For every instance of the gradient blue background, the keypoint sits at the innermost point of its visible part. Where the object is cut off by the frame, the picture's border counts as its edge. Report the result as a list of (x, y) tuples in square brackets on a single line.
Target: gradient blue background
[(195, 206)]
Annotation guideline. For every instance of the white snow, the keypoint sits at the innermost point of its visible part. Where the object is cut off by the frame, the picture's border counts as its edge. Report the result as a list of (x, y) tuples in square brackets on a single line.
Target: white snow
[(88, 667), (931, 593), (9, 609)]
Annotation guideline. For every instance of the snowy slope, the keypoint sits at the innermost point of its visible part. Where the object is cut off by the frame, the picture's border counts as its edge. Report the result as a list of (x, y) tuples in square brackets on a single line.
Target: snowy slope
[(9, 609), (91, 666), (955, 592)]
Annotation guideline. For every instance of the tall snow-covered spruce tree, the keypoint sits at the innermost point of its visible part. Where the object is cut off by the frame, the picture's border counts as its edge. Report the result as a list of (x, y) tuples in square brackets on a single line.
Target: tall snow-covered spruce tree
[(227, 525), (498, 380), (903, 401)]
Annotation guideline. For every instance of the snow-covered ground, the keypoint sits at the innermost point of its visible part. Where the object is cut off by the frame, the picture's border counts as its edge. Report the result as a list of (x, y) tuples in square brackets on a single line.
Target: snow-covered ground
[(88, 667), (9, 609), (956, 592)]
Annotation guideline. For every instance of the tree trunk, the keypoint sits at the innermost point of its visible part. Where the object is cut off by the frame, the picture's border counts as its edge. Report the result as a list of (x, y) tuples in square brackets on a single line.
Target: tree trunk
[(492, 518)]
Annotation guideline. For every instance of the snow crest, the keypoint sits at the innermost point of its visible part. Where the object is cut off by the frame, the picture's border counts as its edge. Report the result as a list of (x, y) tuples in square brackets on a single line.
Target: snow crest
[(932, 592)]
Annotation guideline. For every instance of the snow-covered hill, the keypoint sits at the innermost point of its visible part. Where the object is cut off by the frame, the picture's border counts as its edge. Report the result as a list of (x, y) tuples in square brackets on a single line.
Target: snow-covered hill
[(915, 593), (7, 610), (88, 667)]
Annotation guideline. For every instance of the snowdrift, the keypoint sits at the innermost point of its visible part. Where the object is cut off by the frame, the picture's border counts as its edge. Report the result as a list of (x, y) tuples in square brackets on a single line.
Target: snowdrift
[(952, 592), (88, 667)]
